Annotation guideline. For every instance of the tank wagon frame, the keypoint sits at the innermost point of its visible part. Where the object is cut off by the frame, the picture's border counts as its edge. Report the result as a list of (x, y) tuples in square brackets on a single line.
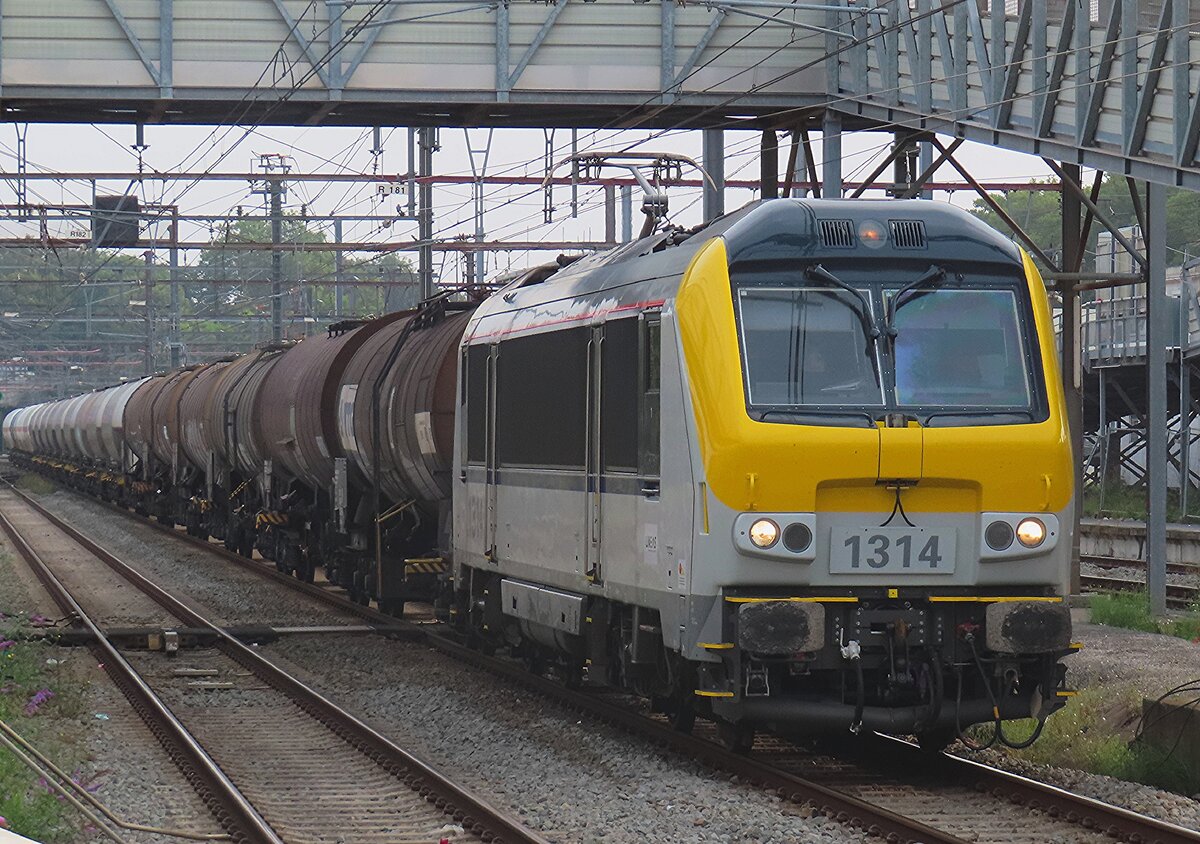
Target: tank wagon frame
[(805, 467)]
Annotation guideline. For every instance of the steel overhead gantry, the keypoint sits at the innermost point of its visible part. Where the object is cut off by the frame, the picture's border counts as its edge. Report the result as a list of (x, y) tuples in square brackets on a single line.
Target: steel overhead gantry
[(570, 63), (1109, 86)]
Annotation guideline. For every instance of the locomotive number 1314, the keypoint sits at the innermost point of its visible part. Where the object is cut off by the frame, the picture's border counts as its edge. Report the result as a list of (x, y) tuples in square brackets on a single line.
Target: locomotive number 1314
[(892, 550)]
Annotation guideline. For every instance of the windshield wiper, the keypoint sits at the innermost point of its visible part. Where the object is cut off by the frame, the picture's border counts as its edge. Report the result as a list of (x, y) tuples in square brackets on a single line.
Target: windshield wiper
[(817, 416), (818, 273), (996, 416), (933, 276)]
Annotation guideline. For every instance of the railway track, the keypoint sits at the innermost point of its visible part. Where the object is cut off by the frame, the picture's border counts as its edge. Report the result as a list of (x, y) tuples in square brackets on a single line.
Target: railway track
[(887, 787), (273, 759), (1179, 595), (1192, 569)]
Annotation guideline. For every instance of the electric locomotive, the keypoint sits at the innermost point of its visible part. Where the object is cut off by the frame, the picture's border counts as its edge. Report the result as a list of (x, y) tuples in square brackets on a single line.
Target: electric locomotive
[(805, 468)]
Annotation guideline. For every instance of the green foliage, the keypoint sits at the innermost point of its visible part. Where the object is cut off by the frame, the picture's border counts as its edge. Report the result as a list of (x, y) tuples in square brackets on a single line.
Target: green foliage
[(26, 804), (1131, 610), (254, 265), (1129, 502), (1093, 733), (1040, 215)]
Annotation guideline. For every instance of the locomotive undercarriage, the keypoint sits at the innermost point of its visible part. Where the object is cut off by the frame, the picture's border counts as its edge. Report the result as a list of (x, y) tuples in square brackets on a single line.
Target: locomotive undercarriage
[(916, 666)]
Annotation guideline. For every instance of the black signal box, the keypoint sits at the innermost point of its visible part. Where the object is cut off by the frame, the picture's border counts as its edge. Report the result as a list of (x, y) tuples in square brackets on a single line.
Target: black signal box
[(115, 221)]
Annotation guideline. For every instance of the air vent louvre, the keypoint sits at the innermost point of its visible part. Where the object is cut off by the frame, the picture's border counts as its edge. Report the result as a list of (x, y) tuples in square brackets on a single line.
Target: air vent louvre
[(838, 234), (908, 234)]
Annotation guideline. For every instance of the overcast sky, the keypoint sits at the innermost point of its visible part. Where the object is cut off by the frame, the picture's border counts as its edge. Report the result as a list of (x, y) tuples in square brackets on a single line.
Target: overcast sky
[(514, 212)]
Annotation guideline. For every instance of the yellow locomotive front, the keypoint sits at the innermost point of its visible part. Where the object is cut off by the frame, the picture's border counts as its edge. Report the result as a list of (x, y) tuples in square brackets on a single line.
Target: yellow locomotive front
[(884, 475)]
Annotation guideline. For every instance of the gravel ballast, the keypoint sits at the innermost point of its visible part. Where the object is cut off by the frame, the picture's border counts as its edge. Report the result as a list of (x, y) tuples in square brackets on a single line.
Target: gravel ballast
[(226, 593), (577, 780), (1117, 659), (103, 742), (574, 779)]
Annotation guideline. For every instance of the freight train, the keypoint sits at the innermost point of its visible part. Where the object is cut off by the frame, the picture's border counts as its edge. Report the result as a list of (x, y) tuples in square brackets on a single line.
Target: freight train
[(806, 468)]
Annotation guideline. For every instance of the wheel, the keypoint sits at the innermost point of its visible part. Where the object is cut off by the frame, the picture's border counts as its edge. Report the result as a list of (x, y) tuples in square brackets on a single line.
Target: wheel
[(389, 606), (738, 738), (573, 675), (682, 717), (936, 740)]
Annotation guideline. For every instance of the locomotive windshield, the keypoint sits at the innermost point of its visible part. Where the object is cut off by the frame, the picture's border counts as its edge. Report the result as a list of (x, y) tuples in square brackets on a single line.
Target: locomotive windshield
[(960, 348), (952, 352), (806, 346)]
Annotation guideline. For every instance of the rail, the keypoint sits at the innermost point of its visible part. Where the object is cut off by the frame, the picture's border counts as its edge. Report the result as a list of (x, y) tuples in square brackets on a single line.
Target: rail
[(844, 808), (474, 813)]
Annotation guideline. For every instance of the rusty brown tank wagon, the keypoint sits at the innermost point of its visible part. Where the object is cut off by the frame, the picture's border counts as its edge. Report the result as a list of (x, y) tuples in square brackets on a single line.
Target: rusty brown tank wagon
[(332, 451)]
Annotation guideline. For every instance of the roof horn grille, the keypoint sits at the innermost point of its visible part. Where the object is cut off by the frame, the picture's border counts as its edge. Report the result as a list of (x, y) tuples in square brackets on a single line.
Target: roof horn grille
[(908, 234), (838, 234)]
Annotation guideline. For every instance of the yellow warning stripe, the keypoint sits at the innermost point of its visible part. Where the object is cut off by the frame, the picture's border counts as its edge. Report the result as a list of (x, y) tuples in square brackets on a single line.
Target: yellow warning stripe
[(822, 600), (1066, 693), (703, 693), (989, 599), (424, 568), (716, 646)]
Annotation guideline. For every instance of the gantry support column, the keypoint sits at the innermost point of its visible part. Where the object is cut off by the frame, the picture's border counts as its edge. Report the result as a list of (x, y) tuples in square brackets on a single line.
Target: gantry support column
[(276, 189), (176, 341), (714, 165), (768, 180), (831, 156), (1072, 366), (427, 141), (339, 265), (1157, 329), (148, 357)]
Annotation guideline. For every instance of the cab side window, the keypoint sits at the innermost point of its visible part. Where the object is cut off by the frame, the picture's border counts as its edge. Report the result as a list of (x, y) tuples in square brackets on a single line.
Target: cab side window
[(650, 388)]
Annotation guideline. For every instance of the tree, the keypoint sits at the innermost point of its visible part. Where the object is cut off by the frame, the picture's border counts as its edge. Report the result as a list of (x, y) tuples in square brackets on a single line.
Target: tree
[(1039, 213)]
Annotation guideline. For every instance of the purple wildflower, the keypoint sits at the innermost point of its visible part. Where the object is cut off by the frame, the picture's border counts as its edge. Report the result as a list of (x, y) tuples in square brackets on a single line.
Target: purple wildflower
[(37, 701), (6, 644)]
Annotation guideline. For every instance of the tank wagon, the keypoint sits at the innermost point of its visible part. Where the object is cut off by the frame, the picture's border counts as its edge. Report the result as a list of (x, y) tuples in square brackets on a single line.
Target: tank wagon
[(806, 467)]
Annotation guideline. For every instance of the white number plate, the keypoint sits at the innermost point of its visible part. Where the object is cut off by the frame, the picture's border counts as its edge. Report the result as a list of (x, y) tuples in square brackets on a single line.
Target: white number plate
[(891, 550)]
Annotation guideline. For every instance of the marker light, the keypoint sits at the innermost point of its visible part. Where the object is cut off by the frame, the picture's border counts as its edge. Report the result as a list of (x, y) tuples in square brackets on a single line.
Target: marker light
[(797, 537), (1031, 532), (872, 234), (999, 535), (764, 533)]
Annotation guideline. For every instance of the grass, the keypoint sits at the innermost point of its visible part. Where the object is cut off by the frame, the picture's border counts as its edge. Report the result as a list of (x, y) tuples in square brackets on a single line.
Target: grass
[(1094, 733), (33, 699), (1129, 502), (35, 484), (1131, 610)]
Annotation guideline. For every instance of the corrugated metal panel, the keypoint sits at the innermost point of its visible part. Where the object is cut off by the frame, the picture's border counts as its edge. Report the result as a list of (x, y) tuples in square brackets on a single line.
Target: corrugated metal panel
[(604, 48)]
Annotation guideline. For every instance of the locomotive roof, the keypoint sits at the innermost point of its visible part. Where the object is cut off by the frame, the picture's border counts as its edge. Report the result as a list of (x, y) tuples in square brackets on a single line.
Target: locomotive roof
[(762, 232)]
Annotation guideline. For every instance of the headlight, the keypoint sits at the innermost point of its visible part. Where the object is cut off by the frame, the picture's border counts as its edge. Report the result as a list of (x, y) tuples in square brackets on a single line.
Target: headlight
[(1031, 532), (764, 533)]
